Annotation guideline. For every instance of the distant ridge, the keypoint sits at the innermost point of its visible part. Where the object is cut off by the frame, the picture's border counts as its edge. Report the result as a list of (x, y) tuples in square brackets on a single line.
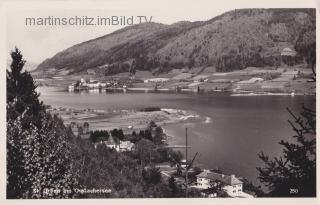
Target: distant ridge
[(231, 41)]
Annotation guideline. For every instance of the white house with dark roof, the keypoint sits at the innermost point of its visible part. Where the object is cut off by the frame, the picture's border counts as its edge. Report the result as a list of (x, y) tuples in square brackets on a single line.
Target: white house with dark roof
[(122, 146), (125, 146), (230, 184), (288, 52)]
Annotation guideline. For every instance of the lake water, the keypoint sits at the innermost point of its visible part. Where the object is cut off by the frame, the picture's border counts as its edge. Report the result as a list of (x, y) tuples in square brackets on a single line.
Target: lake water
[(236, 129)]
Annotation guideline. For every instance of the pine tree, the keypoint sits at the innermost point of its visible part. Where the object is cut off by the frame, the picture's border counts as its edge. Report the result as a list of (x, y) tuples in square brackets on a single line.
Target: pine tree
[(151, 175), (158, 136), (294, 173), (38, 152), (21, 90)]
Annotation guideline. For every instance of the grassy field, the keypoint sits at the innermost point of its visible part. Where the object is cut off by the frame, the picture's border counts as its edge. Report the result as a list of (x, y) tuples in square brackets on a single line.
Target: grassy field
[(283, 79)]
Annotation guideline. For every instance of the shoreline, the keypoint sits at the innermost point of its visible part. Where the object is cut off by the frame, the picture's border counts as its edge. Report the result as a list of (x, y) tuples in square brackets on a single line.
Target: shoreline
[(127, 120), (183, 91), (285, 80)]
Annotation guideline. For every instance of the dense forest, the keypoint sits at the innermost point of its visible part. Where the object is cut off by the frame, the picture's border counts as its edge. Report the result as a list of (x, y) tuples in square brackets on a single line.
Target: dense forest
[(234, 40)]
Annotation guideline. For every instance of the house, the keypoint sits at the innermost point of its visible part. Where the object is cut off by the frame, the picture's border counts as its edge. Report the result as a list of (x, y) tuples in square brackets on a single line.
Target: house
[(71, 87), (83, 82), (288, 56), (184, 163), (93, 84), (103, 84), (91, 72), (125, 146), (230, 184), (110, 143), (288, 52), (156, 80)]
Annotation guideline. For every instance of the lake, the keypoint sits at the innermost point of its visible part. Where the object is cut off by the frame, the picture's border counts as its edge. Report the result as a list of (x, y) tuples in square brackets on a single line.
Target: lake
[(237, 128)]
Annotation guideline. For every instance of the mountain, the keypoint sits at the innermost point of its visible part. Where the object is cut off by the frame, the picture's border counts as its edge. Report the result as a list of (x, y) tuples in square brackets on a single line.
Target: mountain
[(231, 41)]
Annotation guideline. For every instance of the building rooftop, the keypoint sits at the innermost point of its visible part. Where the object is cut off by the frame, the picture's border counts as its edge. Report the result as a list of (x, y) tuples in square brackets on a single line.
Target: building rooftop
[(230, 180), (110, 141), (288, 52)]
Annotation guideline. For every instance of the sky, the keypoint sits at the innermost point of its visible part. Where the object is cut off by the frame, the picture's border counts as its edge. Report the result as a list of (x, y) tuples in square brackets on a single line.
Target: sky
[(40, 42)]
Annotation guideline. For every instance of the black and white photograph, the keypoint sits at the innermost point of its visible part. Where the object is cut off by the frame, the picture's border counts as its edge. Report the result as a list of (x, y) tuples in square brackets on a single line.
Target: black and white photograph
[(200, 100)]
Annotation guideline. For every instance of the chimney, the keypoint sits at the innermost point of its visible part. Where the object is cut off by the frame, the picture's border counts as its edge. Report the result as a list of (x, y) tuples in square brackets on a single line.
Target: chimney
[(233, 176)]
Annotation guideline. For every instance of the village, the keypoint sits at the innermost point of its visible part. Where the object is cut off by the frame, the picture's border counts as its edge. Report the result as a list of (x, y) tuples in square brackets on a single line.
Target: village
[(210, 183), (285, 79)]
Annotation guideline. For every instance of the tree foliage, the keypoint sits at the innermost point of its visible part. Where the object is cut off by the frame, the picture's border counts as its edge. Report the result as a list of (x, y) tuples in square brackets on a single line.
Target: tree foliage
[(151, 175), (38, 153), (117, 134), (21, 90), (306, 46), (158, 136), (294, 173), (99, 135)]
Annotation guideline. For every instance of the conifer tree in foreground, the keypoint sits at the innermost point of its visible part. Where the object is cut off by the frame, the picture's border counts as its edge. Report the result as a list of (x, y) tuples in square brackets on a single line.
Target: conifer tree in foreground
[(294, 173), (21, 91), (38, 153)]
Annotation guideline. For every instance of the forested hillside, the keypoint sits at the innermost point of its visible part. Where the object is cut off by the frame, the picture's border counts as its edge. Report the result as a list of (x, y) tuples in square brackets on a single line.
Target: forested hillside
[(231, 41)]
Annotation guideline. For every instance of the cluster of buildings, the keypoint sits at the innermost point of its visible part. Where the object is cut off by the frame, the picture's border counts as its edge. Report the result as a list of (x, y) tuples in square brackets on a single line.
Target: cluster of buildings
[(209, 183), (83, 131), (230, 184), (90, 84), (121, 146), (205, 181)]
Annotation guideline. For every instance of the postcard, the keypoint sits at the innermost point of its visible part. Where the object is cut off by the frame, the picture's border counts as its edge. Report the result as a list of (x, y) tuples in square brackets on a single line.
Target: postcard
[(165, 100)]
